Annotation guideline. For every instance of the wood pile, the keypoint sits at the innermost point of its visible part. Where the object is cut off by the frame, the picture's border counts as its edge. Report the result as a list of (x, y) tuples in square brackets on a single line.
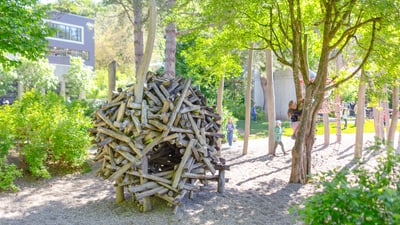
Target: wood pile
[(167, 146)]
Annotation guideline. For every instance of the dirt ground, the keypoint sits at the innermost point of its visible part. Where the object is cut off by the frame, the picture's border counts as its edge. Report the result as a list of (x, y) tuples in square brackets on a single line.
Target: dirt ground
[(257, 193)]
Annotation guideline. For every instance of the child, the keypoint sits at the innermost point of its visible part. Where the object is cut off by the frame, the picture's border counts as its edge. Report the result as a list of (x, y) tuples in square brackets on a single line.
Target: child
[(278, 136), (294, 116), (230, 127)]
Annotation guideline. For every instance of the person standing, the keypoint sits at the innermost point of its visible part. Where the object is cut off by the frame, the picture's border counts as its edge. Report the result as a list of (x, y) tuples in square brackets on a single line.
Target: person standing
[(230, 127), (254, 112), (294, 116), (345, 114), (278, 131)]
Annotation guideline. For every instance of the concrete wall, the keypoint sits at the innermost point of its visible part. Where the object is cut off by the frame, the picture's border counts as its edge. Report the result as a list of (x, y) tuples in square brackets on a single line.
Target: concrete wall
[(284, 92)]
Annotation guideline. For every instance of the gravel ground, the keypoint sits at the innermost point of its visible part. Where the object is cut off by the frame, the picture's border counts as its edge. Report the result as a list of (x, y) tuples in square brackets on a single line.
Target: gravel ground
[(257, 193)]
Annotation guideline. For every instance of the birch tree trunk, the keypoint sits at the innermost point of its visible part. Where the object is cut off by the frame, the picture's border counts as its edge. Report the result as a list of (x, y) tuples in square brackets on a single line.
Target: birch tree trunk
[(220, 97), (360, 117), (394, 119), (338, 113), (248, 101), (326, 129), (271, 102), (170, 46), (386, 115)]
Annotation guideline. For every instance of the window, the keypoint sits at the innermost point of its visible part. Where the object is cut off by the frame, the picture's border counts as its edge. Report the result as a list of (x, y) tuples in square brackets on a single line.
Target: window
[(56, 51), (67, 32)]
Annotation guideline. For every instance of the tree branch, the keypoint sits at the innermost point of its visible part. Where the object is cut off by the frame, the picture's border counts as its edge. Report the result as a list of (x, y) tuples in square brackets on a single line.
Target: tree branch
[(335, 85)]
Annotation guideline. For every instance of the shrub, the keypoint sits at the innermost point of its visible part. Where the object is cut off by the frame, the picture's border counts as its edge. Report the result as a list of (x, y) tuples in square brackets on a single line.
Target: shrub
[(358, 196), (49, 130), (8, 172)]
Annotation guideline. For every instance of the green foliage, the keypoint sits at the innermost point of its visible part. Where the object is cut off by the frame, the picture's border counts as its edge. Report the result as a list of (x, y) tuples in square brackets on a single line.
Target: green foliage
[(23, 30), (78, 76), (50, 131), (7, 78), (36, 74), (8, 172), (357, 196)]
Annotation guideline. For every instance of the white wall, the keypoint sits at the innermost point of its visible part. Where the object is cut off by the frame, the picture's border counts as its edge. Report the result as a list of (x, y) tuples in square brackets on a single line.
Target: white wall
[(284, 92)]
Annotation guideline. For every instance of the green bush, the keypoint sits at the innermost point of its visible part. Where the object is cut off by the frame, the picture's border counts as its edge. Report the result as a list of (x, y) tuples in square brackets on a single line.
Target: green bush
[(50, 130), (8, 172), (358, 196)]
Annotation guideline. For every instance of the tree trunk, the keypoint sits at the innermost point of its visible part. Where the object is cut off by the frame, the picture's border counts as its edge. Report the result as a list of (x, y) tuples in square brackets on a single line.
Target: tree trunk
[(378, 121), (338, 113), (170, 46), (138, 33), (360, 117), (271, 102), (326, 129), (144, 66), (264, 86), (220, 97), (140, 78), (395, 112), (248, 101), (386, 117), (112, 70), (301, 152)]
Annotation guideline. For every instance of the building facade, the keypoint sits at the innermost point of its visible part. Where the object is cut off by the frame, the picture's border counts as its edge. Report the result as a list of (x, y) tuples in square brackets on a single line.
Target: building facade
[(74, 38)]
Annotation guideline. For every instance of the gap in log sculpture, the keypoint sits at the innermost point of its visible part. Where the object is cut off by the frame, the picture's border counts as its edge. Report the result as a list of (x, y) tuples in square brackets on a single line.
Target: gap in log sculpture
[(172, 131)]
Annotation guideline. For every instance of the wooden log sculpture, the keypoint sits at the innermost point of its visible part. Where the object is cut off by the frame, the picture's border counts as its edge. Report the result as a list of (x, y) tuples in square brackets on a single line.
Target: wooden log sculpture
[(173, 128)]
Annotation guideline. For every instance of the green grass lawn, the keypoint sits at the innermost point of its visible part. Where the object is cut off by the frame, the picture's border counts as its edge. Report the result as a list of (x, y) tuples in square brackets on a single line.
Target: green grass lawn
[(259, 129)]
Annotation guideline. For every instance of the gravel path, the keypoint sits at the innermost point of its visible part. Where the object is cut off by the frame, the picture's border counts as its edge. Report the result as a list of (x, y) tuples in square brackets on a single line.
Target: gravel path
[(257, 193)]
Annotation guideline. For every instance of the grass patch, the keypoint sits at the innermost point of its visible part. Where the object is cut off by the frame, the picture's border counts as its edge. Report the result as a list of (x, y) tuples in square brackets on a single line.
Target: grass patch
[(259, 129)]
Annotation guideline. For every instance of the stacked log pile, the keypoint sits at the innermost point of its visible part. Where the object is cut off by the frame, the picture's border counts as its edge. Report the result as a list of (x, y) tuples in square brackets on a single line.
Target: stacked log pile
[(162, 147)]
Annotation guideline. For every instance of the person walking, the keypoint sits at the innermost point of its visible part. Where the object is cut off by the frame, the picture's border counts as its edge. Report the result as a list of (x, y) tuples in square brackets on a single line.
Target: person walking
[(254, 112), (230, 127), (278, 131)]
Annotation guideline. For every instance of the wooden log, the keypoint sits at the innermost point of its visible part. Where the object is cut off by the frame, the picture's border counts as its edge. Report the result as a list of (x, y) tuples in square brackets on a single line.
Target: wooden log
[(149, 192), (121, 112), (164, 91), (101, 115), (150, 177), (196, 131), (221, 181), (209, 165), (190, 109), (143, 117), (119, 97), (177, 107), (137, 124), (200, 176), (143, 187), (129, 157), (154, 98), (157, 91), (120, 171), (151, 145), (182, 164), (160, 126), (114, 134)]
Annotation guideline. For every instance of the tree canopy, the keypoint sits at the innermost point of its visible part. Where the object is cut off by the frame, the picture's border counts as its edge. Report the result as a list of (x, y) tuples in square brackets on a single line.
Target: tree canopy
[(23, 31)]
